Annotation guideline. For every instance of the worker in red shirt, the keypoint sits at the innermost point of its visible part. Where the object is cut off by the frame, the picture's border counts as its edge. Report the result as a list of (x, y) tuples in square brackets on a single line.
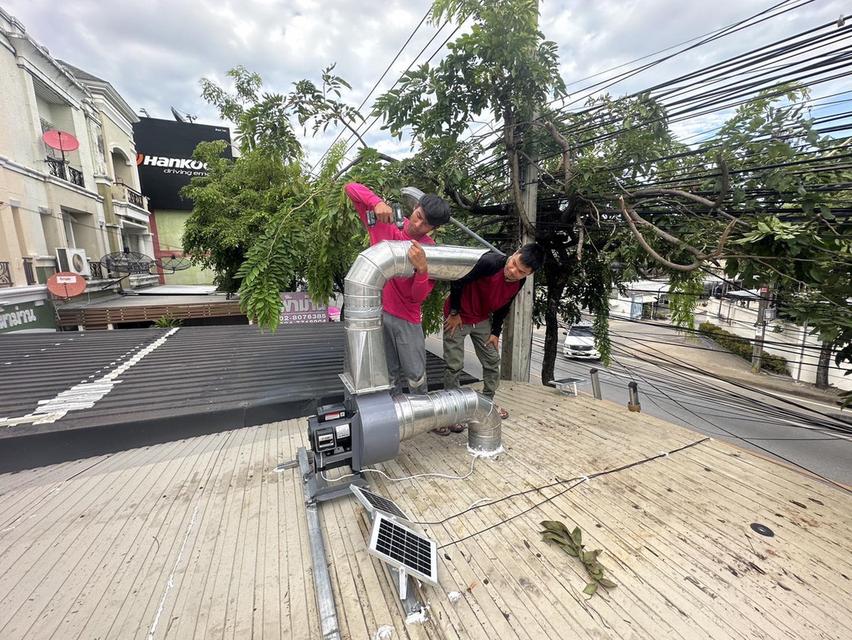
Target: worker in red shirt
[(405, 346), (477, 306)]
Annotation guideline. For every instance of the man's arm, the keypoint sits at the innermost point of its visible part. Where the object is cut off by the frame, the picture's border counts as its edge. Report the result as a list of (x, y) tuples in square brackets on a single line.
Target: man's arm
[(362, 198), (489, 264), (500, 314)]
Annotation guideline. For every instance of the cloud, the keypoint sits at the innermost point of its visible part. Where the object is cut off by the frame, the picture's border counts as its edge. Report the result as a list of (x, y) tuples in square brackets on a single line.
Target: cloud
[(155, 52)]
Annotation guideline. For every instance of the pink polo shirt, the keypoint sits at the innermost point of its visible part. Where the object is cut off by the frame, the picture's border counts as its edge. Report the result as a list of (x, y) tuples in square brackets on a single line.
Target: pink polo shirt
[(401, 297)]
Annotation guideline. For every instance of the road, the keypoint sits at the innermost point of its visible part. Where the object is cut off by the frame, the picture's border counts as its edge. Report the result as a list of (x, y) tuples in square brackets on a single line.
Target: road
[(810, 435)]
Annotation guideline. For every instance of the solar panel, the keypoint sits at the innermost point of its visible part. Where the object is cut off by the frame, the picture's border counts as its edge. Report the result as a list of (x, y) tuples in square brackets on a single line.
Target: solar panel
[(374, 502), (403, 548)]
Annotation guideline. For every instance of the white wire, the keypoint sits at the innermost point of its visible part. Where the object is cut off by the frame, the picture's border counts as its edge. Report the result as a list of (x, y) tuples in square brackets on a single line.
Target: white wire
[(419, 475)]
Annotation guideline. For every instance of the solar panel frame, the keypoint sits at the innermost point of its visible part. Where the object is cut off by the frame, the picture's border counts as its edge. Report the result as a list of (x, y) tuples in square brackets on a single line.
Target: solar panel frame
[(404, 549), (374, 503)]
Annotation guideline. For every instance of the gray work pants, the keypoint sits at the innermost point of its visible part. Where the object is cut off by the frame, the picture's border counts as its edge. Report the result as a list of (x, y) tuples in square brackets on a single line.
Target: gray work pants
[(488, 356), (405, 352)]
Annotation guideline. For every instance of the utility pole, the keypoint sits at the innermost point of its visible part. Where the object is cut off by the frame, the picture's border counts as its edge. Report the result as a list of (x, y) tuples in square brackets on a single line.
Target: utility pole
[(759, 330), (517, 332)]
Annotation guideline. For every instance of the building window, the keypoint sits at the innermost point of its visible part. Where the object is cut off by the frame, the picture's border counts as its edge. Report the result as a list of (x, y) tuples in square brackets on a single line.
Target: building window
[(69, 229)]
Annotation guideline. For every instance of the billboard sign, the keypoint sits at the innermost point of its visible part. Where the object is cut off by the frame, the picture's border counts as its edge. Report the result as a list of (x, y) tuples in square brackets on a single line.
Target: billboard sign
[(164, 158), (298, 308)]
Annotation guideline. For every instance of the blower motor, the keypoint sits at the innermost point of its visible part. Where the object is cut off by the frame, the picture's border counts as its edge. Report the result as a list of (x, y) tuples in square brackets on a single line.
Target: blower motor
[(360, 431)]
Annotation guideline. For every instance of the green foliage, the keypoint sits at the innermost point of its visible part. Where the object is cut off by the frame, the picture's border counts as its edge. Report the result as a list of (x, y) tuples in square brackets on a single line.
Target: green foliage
[(742, 347), (503, 65), (290, 228), (167, 322), (232, 205), (260, 221), (685, 287), (571, 542)]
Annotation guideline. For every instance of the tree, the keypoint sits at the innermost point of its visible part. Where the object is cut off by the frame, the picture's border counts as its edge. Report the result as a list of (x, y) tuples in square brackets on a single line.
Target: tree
[(619, 197), (261, 221)]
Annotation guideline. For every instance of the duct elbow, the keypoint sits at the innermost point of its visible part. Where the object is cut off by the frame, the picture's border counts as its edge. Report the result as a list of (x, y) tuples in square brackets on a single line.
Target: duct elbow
[(420, 413), (484, 431)]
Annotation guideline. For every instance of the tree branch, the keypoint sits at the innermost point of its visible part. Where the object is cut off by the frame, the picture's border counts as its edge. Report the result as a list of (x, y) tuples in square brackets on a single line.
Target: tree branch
[(725, 185), (641, 240), (459, 199), (634, 218), (566, 150), (357, 160), (684, 194)]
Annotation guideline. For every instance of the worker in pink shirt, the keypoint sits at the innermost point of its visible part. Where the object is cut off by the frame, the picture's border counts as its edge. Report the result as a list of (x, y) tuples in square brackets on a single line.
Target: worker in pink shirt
[(405, 346)]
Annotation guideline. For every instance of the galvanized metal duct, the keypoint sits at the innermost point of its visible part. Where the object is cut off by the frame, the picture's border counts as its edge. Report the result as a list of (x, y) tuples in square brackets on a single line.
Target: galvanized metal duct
[(420, 413), (365, 366)]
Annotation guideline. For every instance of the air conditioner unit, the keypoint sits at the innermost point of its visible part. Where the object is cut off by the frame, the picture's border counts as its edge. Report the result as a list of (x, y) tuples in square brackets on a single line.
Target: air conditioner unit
[(74, 260)]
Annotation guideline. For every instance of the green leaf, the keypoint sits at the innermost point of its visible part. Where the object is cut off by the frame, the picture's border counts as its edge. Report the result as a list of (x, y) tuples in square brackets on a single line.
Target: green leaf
[(555, 537), (591, 588), (577, 536), (555, 526), (606, 582)]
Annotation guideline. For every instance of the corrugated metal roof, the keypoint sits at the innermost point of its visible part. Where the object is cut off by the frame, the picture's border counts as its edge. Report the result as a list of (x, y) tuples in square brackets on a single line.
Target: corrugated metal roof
[(201, 378)]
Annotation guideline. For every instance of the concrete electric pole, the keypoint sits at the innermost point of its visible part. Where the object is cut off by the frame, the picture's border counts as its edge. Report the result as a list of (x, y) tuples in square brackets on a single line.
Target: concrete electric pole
[(517, 332)]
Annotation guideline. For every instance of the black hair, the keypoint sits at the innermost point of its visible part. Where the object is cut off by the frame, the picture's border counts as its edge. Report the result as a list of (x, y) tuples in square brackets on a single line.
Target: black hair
[(435, 209), (532, 255)]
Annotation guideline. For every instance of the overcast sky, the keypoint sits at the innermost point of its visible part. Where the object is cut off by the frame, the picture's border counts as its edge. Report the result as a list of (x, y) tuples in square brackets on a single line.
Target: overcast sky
[(155, 52)]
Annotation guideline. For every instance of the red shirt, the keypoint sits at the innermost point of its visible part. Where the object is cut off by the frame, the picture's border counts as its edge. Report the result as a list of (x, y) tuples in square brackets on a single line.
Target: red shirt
[(483, 292), (401, 297)]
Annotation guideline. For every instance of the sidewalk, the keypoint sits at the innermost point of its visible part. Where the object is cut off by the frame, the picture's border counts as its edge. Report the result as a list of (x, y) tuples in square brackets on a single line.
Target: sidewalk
[(692, 351)]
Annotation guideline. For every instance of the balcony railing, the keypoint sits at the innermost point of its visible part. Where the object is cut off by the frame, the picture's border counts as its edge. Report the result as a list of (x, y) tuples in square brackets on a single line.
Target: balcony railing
[(76, 176), (56, 167), (97, 270), (29, 272), (60, 170), (127, 194), (5, 275)]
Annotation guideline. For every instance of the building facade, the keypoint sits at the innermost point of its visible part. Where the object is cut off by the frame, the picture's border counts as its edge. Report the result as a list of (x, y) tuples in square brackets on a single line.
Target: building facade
[(55, 205), (116, 176)]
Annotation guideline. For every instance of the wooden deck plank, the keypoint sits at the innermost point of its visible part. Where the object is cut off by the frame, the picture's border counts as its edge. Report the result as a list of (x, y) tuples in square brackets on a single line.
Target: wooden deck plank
[(93, 573), (304, 617), (227, 555), (674, 533), (189, 609), (547, 589), (696, 511), (381, 610), (531, 527), (52, 507), (486, 619), (566, 579), (71, 518), (268, 591)]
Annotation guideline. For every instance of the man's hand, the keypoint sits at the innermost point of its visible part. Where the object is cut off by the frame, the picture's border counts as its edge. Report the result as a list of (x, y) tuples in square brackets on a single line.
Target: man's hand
[(452, 323), (417, 257), (383, 212), (493, 341)]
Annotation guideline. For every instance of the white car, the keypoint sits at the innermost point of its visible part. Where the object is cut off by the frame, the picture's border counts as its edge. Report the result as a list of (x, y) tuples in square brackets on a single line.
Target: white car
[(580, 343)]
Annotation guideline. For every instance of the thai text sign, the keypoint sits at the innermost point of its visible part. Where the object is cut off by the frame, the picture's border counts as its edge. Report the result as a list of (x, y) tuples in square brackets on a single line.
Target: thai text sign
[(298, 308)]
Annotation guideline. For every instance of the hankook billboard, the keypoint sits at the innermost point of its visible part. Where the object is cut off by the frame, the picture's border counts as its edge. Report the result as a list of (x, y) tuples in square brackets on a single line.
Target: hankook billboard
[(164, 158)]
